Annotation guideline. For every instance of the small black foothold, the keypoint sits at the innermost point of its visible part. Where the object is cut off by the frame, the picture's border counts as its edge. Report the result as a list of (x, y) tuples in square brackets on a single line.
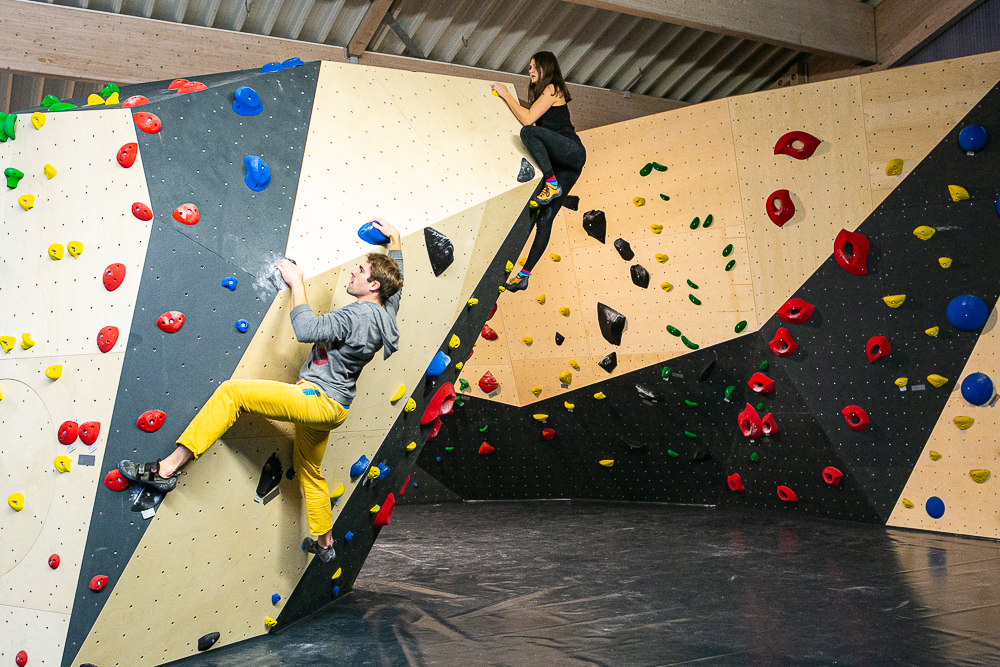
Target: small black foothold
[(612, 323), (648, 394), (527, 172), (146, 499), (208, 641), (596, 225), (632, 445), (701, 456), (572, 202), (609, 363), (640, 276), (270, 475), (624, 249), (439, 249), (560, 339), (708, 371)]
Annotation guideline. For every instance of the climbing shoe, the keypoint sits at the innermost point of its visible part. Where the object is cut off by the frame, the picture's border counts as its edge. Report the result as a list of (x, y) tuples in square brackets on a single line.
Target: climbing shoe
[(309, 545), (517, 284), (547, 194), (148, 474)]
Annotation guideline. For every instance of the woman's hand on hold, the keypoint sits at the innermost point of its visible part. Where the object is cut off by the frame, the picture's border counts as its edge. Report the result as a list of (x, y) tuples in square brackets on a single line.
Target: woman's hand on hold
[(500, 89)]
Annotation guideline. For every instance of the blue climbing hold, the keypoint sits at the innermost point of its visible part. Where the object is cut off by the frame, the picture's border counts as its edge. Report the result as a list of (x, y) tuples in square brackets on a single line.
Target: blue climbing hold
[(242, 326), (935, 507), (972, 138), (247, 101), (349, 536), (414, 485), (438, 459), (229, 283), (383, 471), (438, 364), (359, 467), (977, 388), (369, 234), (258, 174), (275, 598), (336, 590), (290, 473), (271, 67), (292, 62), (967, 312)]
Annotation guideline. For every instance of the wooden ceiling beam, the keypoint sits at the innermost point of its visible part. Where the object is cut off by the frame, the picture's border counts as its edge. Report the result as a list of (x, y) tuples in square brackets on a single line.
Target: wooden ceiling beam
[(374, 15)]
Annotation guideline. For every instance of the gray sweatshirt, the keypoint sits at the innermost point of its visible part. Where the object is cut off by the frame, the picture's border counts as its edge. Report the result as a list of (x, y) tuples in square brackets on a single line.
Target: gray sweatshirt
[(345, 340)]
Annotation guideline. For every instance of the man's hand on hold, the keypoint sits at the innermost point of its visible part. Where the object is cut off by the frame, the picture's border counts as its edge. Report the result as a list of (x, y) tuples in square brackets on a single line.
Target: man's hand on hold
[(388, 230), (291, 273)]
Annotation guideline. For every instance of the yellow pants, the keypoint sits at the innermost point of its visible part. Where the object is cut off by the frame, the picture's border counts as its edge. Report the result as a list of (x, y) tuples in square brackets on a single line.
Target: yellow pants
[(313, 413)]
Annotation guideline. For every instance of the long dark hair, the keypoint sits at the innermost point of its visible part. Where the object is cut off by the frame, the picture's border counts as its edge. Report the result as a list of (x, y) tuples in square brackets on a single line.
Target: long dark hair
[(548, 72)]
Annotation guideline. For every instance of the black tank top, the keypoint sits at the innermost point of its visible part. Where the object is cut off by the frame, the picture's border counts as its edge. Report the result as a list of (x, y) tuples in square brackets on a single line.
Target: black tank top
[(557, 120)]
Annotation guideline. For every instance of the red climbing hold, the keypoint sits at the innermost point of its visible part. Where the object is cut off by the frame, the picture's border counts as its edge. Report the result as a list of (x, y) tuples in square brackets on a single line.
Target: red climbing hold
[(435, 429), (780, 207), (135, 101), (796, 311), (187, 214), (486, 448), (735, 482), (761, 384), (548, 433), (786, 145), (384, 515), (857, 418), (127, 154), (98, 582), (113, 276), (787, 494), (54, 561), (107, 337), (850, 249), (750, 423), (68, 432), (768, 424), (150, 421), (192, 87), (147, 122), (170, 321), (177, 83), (21, 659), (440, 404), (488, 333), (142, 211), (492, 313), (89, 432), (782, 344), (832, 476), (488, 383), (877, 347), (403, 488), (115, 481)]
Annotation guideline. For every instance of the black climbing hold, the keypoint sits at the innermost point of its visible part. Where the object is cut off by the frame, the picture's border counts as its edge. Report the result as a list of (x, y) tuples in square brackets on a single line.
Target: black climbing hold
[(691, 284), (560, 339), (708, 222), (695, 223), (439, 249), (648, 394), (609, 363), (695, 300), (208, 641), (708, 371), (673, 331), (701, 456), (572, 202), (612, 323), (624, 249), (632, 445), (640, 276), (730, 265), (270, 475), (526, 173), (146, 498), (728, 250), (596, 225)]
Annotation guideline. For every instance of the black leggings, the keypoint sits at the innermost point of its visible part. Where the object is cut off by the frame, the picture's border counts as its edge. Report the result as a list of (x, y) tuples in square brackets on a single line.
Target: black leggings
[(559, 156)]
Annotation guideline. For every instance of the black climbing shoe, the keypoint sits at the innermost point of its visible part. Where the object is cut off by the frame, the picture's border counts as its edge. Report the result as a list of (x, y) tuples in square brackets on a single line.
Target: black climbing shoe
[(518, 285), (148, 474), (310, 545)]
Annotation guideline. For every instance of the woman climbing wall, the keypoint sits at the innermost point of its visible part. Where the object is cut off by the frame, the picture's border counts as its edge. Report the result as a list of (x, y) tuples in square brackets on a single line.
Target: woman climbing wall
[(549, 136)]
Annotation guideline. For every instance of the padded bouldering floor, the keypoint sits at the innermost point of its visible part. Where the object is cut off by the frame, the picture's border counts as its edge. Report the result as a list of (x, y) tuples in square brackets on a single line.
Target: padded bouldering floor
[(554, 583)]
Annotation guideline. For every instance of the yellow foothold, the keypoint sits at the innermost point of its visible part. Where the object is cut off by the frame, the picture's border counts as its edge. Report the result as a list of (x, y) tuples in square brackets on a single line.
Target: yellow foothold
[(38, 119), (454, 342), (75, 248), (957, 192), (907, 504), (894, 167), (574, 364), (600, 396), (7, 343), (375, 509), (269, 622), (522, 261), (501, 289), (540, 299), (459, 365), (112, 99), (56, 251), (964, 423), (27, 202), (54, 372), (540, 418), (569, 406), (945, 262), (496, 94), (661, 258), (979, 476), (26, 342), (16, 501), (666, 287), (936, 380), (62, 463), (901, 382), (894, 301), (527, 340), (399, 393), (566, 378), (94, 99), (607, 463), (410, 447), (473, 301), (554, 257), (933, 331), (410, 406), (374, 472), (50, 171), (564, 311), (656, 228), (338, 492), (537, 391), (923, 232), (934, 455), (508, 267), (336, 575), (638, 201)]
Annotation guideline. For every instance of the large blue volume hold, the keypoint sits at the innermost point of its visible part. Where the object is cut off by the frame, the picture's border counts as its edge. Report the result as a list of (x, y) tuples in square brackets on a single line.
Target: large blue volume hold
[(359, 467), (369, 234), (967, 312), (972, 138), (977, 388), (438, 364)]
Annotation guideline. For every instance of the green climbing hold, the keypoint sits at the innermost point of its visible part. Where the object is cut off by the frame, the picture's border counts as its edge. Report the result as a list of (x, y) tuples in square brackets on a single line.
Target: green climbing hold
[(61, 106), (665, 373), (692, 285), (482, 429), (672, 453), (690, 434), (693, 346), (49, 100), (13, 176), (8, 125), (645, 171), (728, 250), (664, 197), (708, 222), (108, 89), (695, 223), (448, 449), (764, 365), (695, 300), (755, 457), (740, 326), (463, 384), (732, 263), (458, 402), (658, 167), (673, 331), (690, 404), (760, 406), (730, 390)]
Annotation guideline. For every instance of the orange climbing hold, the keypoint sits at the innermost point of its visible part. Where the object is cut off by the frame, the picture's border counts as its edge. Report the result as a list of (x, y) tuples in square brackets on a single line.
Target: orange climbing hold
[(187, 214)]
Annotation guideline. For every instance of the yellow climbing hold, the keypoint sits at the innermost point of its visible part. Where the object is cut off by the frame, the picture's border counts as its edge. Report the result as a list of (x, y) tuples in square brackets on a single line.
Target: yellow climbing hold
[(566, 378), (666, 287), (537, 391), (527, 340), (94, 99), (964, 423), (26, 342), (399, 393), (56, 251), (27, 202), (54, 372), (410, 447), (901, 382), (600, 396), (7, 343), (62, 463), (375, 508), (454, 342), (338, 492), (540, 418), (554, 257), (269, 622), (74, 248), (957, 192), (374, 472), (336, 575), (907, 504), (979, 476), (894, 167), (112, 99), (460, 364), (661, 258), (473, 301), (410, 406), (540, 299), (508, 267), (522, 260), (50, 171), (607, 463), (638, 201), (923, 232), (16, 501), (569, 406), (936, 380), (934, 455), (945, 262), (501, 289), (933, 331), (894, 301), (656, 228), (574, 364), (564, 311), (38, 119)]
